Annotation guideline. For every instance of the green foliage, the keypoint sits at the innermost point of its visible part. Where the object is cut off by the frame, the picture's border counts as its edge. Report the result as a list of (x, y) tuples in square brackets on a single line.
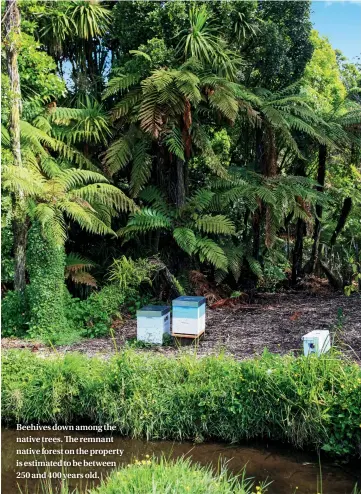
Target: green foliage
[(311, 402), (322, 76), (129, 274), (7, 261), (93, 317), (13, 314), (38, 79), (46, 293), (179, 476)]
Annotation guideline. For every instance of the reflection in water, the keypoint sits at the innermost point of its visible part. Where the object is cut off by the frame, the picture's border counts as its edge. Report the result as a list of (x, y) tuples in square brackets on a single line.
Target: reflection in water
[(287, 469)]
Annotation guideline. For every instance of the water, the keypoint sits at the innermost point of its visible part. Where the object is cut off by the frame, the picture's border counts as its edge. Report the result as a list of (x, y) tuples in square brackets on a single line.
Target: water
[(287, 468)]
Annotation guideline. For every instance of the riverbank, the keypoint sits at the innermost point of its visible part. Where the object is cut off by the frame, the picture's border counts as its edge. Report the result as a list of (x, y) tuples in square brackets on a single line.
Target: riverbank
[(306, 402)]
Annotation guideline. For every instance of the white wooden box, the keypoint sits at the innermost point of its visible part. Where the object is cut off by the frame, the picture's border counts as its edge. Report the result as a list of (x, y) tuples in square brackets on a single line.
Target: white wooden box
[(189, 316), (153, 321), (317, 341)]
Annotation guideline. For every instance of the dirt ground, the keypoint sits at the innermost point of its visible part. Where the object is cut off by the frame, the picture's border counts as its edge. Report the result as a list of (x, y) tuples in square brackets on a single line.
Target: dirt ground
[(273, 321)]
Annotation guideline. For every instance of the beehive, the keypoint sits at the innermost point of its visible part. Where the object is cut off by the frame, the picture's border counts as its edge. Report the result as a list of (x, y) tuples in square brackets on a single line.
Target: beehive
[(189, 316), (153, 321), (317, 341)]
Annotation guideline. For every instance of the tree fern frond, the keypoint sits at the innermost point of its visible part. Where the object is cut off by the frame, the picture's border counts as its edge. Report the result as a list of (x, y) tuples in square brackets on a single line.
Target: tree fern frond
[(105, 194), (118, 155), (141, 169), (126, 104), (174, 142), (218, 224), (254, 266), (73, 177), (208, 250), (86, 219), (186, 239), (155, 197), (200, 200), (235, 259), (120, 84), (148, 219), (20, 179)]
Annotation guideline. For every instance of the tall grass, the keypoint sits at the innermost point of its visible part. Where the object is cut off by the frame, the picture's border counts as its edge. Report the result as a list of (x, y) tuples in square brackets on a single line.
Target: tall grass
[(305, 401)]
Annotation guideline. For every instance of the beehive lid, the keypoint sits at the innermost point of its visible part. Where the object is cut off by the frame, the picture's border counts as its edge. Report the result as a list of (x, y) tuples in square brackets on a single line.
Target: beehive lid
[(188, 301), (316, 332), (153, 310)]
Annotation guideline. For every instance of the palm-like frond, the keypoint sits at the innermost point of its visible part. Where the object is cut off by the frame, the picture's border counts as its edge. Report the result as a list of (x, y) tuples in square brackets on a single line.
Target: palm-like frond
[(210, 251), (145, 220), (186, 239), (218, 224), (121, 83)]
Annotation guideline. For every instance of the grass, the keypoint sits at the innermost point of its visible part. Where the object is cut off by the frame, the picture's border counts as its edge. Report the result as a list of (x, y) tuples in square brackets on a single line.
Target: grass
[(181, 476), (305, 401)]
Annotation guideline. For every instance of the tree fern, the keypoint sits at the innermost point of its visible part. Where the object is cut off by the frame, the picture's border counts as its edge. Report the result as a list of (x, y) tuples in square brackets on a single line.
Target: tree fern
[(186, 239), (218, 224), (120, 84), (210, 251)]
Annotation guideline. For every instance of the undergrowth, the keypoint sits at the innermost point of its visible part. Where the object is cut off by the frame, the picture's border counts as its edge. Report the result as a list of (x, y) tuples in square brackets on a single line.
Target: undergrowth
[(305, 401)]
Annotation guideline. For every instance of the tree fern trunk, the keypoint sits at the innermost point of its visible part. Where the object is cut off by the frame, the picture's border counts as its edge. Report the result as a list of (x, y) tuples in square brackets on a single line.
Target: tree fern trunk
[(346, 209), (180, 191), (12, 39), (297, 259), (321, 174), (256, 227)]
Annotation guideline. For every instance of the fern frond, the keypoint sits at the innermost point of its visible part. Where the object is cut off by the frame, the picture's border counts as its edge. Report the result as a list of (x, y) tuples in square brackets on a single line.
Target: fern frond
[(118, 155), (208, 250), (148, 219), (20, 179), (86, 219), (174, 142), (141, 169), (120, 84), (218, 224), (126, 104), (73, 177), (186, 239), (254, 266), (105, 194)]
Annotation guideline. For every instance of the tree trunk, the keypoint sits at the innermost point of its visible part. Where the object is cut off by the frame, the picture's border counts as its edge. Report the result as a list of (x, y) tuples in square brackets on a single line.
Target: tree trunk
[(298, 251), (346, 209), (20, 226), (256, 227), (321, 174), (180, 192)]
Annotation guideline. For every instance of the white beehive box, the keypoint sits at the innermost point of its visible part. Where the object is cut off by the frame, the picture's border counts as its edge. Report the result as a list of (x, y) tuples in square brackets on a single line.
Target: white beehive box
[(189, 316), (153, 321), (317, 342)]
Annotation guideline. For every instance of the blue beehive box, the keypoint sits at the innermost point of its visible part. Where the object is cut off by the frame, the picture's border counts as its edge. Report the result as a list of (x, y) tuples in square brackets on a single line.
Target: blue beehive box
[(153, 321), (189, 316)]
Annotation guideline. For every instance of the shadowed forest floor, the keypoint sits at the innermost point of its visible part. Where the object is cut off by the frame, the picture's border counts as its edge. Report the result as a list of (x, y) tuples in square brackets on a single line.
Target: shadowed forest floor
[(273, 321)]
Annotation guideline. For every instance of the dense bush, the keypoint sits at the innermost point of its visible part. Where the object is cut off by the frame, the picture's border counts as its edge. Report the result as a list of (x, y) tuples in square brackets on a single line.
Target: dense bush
[(47, 292), (13, 314), (93, 316), (47, 311), (313, 402)]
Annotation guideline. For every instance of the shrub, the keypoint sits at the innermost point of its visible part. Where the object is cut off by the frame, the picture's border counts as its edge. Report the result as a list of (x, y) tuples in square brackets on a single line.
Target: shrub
[(13, 314), (306, 401), (93, 316), (46, 293)]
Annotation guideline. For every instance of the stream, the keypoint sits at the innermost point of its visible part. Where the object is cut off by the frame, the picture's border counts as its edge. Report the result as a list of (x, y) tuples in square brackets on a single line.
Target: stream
[(288, 469)]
